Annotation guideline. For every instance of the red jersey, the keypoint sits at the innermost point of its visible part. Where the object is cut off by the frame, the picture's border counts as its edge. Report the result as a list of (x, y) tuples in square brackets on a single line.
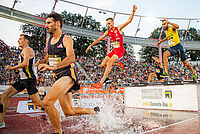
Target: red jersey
[(116, 38)]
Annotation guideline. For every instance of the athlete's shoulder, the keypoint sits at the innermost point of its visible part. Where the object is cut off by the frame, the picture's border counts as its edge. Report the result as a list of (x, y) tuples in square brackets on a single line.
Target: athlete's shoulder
[(28, 51), (67, 40), (171, 28)]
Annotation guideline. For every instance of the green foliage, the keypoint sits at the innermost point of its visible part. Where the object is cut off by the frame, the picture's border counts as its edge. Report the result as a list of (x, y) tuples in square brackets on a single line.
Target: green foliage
[(156, 34), (146, 53)]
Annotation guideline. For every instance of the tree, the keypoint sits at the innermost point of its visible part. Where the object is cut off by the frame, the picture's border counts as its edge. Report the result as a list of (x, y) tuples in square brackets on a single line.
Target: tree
[(129, 50), (37, 35), (192, 35), (156, 34), (146, 53)]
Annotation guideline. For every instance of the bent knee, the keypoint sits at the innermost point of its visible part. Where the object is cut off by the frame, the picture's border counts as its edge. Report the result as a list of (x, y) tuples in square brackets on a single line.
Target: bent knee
[(47, 103), (186, 63), (102, 65), (166, 54)]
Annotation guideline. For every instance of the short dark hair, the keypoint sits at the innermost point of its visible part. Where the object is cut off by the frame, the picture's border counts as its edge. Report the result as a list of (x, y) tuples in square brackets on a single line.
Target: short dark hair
[(109, 19), (56, 17), (26, 37)]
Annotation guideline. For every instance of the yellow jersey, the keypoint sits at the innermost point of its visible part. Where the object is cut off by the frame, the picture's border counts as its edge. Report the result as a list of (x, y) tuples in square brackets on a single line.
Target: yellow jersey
[(172, 37)]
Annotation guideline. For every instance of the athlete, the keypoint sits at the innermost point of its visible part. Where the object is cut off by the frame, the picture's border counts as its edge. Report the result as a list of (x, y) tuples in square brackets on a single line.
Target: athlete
[(175, 46), (159, 70), (27, 80), (116, 38), (61, 58)]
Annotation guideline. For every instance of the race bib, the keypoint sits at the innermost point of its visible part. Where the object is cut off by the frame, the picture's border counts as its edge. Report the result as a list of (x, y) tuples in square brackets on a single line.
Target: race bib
[(115, 44), (171, 42), (53, 60)]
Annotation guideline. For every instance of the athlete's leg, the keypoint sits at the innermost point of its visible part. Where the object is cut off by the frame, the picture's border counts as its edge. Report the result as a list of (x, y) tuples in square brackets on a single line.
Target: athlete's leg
[(104, 62), (81, 111), (36, 100), (59, 88), (5, 99), (111, 61), (162, 80), (150, 76), (66, 104), (189, 66), (165, 60)]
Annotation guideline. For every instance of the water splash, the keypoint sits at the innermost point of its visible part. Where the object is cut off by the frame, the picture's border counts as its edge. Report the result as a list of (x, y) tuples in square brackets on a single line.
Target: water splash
[(111, 119)]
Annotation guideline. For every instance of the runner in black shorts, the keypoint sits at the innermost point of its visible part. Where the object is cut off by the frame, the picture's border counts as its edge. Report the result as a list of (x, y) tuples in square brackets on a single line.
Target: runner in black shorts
[(27, 77), (61, 58), (159, 70)]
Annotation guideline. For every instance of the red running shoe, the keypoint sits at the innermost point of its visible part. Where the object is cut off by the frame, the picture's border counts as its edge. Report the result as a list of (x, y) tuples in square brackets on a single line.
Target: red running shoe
[(97, 85), (121, 65)]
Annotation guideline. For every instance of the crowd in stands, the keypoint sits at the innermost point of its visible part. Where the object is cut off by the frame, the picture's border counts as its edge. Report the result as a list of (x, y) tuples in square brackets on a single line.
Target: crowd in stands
[(134, 72)]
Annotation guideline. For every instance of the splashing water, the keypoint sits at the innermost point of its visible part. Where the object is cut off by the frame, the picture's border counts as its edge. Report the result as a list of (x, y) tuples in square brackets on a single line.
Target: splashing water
[(111, 119)]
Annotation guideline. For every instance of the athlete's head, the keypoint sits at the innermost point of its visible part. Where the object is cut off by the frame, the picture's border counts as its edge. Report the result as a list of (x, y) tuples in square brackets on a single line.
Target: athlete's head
[(23, 40), (54, 21), (164, 25), (110, 23)]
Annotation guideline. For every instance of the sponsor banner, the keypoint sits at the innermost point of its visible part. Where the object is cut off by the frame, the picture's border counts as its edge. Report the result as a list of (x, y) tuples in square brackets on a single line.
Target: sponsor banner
[(176, 97), (88, 103), (89, 90), (92, 90), (27, 107)]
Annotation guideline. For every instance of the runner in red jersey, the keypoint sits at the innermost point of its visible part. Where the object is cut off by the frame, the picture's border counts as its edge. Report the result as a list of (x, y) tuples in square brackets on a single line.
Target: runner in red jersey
[(116, 38)]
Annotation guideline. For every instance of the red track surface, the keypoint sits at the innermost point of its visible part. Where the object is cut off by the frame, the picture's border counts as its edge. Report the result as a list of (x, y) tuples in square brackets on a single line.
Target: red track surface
[(24, 124)]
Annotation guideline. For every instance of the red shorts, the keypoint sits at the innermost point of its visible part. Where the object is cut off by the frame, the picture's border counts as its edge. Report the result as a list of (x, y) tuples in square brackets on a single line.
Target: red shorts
[(117, 51)]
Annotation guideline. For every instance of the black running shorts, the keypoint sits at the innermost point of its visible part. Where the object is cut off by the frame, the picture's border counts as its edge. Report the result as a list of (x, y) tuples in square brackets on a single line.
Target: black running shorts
[(29, 84), (71, 73)]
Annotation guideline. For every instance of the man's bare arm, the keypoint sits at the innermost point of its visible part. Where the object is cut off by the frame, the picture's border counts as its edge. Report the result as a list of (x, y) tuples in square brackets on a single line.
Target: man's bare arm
[(120, 27), (97, 41)]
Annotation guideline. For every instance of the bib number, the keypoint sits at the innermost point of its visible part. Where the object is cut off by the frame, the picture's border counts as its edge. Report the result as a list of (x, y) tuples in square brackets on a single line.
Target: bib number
[(54, 61), (115, 44), (171, 42)]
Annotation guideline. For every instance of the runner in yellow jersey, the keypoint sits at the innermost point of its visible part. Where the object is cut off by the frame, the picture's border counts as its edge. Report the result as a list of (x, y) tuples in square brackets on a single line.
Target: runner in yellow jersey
[(175, 46)]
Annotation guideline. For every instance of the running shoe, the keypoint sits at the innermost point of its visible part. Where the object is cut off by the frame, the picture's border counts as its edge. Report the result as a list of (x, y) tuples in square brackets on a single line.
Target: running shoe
[(97, 85), (121, 65), (194, 76), (165, 74), (2, 125), (97, 109)]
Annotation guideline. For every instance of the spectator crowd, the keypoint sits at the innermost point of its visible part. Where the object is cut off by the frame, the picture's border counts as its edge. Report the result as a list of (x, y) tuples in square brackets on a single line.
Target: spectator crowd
[(134, 72)]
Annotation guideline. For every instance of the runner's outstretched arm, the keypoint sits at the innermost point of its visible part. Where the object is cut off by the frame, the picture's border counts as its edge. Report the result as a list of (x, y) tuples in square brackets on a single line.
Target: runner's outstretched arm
[(120, 27), (97, 41)]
